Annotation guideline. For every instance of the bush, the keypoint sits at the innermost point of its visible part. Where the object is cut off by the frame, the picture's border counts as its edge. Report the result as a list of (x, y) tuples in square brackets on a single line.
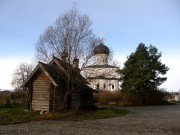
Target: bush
[(4, 96), (19, 97), (150, 97), (13, 97), (7, 102), (154, 97), (104, 97)]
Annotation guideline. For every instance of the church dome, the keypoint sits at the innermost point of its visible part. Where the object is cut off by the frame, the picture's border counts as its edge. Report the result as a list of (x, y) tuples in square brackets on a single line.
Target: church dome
[(101, 49)]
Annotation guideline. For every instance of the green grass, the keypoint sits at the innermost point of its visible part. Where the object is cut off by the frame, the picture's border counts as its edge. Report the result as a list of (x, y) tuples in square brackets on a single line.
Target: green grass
[(101, 114), (16, 114)]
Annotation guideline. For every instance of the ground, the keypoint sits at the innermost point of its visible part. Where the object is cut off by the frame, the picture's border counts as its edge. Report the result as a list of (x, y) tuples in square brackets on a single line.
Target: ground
[(152, 120)]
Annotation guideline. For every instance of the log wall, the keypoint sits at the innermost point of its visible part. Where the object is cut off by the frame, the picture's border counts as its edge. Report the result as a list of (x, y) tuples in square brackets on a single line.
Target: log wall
[(41, 93)]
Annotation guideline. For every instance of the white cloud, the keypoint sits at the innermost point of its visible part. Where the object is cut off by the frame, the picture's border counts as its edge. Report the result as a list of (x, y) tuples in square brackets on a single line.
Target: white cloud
[(172, 83), (6, 70)]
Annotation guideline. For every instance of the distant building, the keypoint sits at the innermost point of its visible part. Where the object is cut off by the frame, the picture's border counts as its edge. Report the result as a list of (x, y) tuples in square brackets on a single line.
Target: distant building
[(47, 85), (177, 96), (102, 76)]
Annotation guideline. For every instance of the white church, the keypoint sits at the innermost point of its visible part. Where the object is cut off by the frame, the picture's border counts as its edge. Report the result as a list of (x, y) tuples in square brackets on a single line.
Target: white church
[(102, 76)]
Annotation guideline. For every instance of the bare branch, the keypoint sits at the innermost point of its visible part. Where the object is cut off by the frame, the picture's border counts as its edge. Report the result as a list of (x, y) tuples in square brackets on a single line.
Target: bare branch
[(73, 26), (20, 74)]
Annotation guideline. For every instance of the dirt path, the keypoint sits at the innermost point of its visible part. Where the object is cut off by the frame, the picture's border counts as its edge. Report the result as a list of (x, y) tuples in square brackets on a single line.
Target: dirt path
[(154, 120)]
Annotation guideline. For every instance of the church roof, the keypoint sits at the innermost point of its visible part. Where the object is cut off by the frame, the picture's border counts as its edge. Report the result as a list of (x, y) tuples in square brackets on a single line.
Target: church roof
[(44, 68), (102, 77), (101, 66), (101, 49)]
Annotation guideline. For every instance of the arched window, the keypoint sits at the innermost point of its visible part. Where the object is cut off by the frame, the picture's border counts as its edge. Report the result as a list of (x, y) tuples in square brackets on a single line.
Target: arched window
[(112, 86), (97, 86), (103, 60)]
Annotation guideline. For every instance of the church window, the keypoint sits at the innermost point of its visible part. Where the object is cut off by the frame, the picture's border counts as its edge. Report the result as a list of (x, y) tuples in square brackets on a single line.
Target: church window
[(97, 86), (113, 86), (104, 86)]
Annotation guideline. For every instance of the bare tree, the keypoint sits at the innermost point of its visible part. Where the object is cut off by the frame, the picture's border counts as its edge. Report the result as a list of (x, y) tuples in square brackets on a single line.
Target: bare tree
[(20, 74), (72, 33)]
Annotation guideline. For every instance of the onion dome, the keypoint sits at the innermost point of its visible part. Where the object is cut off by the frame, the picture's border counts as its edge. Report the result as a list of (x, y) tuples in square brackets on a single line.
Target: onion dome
[(101, 49)]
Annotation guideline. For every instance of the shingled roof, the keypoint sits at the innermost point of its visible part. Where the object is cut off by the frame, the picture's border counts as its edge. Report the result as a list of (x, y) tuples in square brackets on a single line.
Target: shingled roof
[(64, 66), (42, 67), (57, 74)]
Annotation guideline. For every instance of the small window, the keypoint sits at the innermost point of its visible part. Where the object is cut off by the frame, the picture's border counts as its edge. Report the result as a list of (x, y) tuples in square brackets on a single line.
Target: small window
[(97, 86), (113, 86), (104, 86), (103, 60)]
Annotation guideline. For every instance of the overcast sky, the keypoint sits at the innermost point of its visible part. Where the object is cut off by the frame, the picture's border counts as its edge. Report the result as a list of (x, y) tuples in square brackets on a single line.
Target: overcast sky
[(124, 24)]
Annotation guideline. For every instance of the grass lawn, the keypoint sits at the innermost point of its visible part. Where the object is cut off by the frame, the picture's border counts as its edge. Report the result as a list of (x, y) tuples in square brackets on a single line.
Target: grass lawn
[(16, 114)]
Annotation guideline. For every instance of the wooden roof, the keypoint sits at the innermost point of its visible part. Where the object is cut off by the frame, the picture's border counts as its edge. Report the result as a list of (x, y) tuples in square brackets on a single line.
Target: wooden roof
[(58, 73), (64, 66), (43, 67)]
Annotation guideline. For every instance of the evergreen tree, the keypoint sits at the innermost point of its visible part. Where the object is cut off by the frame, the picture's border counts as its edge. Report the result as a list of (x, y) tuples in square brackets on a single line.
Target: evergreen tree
[(143, 71)]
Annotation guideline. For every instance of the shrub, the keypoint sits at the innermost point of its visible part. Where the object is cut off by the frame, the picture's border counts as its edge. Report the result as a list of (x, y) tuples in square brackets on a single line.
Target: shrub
[(4, 95), (154, 97), (103, 97), (13, 97), (19, 97), (7, 104)]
